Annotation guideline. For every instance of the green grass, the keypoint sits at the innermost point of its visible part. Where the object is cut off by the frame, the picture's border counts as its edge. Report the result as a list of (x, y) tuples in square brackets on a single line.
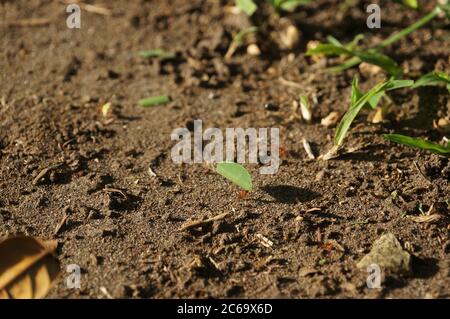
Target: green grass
[(372, 54), (239, 39), (413, 4), (434, 78), (358, 101), (419, 144), (334, 47)]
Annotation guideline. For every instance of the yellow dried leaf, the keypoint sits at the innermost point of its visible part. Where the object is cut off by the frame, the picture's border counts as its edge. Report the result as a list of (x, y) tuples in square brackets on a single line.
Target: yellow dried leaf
[(27, 268), (426, 218), (378, 117), (106, 108)]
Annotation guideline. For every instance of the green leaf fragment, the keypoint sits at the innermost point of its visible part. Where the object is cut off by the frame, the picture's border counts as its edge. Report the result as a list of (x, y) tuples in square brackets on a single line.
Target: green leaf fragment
[(248, 6), (370, 56), (419, 143), (155, 100), (235, 173), (157, 53), (413, 4)]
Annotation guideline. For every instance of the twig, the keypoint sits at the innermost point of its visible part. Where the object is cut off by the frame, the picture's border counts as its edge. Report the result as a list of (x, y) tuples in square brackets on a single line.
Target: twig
[(115, 190), (61, 224), (44, 173), (421, 173), (308, 150), (39, 22), (198, 223), (289, 83), (89, 7)]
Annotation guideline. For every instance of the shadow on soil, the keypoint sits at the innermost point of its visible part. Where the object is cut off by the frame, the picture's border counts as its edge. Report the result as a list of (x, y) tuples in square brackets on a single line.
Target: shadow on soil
[(290, 194)]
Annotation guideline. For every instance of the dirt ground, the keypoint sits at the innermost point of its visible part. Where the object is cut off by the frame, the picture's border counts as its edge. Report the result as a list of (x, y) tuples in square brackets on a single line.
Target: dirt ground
[(54, 81)]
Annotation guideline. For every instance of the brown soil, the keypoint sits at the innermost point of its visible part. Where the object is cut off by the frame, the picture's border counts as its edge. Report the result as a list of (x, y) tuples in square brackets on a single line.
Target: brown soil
[(54, 80)]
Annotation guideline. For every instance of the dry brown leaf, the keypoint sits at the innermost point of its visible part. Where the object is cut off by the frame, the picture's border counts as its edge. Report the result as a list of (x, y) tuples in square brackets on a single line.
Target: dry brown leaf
[(331, 119), (378, 116), (426, 218), (27, 268)]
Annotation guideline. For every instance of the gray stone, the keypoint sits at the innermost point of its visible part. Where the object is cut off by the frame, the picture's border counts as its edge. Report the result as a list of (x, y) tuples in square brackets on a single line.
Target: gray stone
[(389, 255)]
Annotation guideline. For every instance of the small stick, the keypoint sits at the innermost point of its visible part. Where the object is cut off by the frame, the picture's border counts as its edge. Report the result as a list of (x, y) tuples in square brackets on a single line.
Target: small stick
[(44, 173), (290, 83), (89, 7), (39, 22), (308, 150), (198, 223), (115, 190), (106, 292), (421, 173), (60, 225)]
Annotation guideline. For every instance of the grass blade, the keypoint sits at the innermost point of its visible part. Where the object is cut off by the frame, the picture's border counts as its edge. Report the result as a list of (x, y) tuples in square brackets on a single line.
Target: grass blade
[(419, 143), (434, 78), (379, 59), (235, 173), (157, 53), (353, 111), (154, 100), (371, 56), (327, 49), (354, 61), (413, 27)]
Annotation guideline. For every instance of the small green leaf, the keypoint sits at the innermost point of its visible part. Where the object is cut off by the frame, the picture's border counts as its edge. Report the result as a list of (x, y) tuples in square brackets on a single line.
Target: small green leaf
[(413, 4), (360, 100), (248, 6), (157, 53), (353, 111), (419, 143), (240, 37), (235, 173), (327, 49), (155, 100)]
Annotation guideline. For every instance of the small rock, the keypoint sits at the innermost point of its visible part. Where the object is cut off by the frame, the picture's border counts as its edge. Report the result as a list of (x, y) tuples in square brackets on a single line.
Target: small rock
[(271, 107), (253, 49), (290, 37), (331, 119), (389, 255), (369, 69)]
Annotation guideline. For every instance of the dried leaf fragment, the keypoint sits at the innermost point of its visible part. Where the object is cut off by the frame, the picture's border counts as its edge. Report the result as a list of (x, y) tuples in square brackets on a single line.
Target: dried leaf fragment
[(27, 268)]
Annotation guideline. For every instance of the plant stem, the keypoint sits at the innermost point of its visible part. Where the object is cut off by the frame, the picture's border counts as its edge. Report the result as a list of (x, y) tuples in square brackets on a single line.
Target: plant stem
[(397, 36)]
